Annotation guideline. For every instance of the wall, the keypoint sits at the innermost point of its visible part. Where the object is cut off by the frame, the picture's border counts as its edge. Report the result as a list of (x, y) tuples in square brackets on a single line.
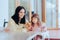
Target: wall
[(3, 11)]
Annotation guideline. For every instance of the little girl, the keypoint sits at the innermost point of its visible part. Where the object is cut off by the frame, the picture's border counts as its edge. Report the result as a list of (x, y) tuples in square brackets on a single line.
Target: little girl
[(37, 26)]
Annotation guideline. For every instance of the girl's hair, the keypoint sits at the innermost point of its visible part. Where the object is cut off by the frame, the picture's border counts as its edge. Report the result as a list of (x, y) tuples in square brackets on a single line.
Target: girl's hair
[(37, 16), (15, 17)]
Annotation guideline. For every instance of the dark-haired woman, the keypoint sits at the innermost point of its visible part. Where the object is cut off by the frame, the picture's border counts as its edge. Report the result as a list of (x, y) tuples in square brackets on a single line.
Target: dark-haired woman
[(17, 21)]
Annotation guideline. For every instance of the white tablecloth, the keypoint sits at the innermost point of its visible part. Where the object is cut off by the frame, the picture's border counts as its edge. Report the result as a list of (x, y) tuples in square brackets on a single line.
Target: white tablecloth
[(18, 36), (14, 36)]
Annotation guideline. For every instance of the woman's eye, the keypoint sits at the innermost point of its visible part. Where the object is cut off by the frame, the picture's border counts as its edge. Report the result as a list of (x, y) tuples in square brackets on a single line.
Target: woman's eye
[(20, 12)]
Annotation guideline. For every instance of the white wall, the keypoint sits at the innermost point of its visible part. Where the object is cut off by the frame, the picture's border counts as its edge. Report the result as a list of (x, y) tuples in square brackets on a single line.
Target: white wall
[(11, 8), (59, 13), (3, 11)]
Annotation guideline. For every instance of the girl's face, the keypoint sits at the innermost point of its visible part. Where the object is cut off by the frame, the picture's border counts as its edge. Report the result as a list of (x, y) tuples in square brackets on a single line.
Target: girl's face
[(34, 20), (21, 13)]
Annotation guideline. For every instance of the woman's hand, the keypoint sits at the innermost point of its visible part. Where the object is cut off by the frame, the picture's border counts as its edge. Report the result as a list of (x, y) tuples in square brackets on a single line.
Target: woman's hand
[(7, 30)]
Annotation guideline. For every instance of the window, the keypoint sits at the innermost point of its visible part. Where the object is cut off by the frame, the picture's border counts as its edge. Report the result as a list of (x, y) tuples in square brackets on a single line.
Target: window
[(51, 13)]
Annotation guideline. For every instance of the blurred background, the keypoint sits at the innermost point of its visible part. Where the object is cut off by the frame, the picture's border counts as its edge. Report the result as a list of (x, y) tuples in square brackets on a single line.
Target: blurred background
[(48, 10)]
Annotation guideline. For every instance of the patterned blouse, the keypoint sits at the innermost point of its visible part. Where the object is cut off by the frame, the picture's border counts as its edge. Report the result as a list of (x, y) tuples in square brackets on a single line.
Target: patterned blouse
[(13, 27)]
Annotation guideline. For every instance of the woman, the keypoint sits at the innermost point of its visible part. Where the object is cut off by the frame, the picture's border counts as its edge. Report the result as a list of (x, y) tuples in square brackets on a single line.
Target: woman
[(17, 21)]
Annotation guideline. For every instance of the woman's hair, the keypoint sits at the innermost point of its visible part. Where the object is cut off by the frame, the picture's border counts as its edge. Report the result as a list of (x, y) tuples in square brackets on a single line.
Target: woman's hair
[(37, 16), (15, 17)]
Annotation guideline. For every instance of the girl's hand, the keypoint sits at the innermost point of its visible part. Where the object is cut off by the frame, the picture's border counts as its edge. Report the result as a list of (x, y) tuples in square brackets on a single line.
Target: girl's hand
[(44, 29), (28, 26)]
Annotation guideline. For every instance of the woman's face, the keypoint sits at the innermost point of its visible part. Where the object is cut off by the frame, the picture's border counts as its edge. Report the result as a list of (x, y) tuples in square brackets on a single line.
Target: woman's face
[(34, 20), (21, 13)]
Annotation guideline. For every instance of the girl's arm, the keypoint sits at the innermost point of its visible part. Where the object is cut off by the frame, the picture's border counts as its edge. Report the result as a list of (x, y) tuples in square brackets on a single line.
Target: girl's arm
[(44, 28)]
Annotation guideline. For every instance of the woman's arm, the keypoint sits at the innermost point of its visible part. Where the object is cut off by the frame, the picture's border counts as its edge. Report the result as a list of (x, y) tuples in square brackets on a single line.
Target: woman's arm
[(7, 29), (10, 25)]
